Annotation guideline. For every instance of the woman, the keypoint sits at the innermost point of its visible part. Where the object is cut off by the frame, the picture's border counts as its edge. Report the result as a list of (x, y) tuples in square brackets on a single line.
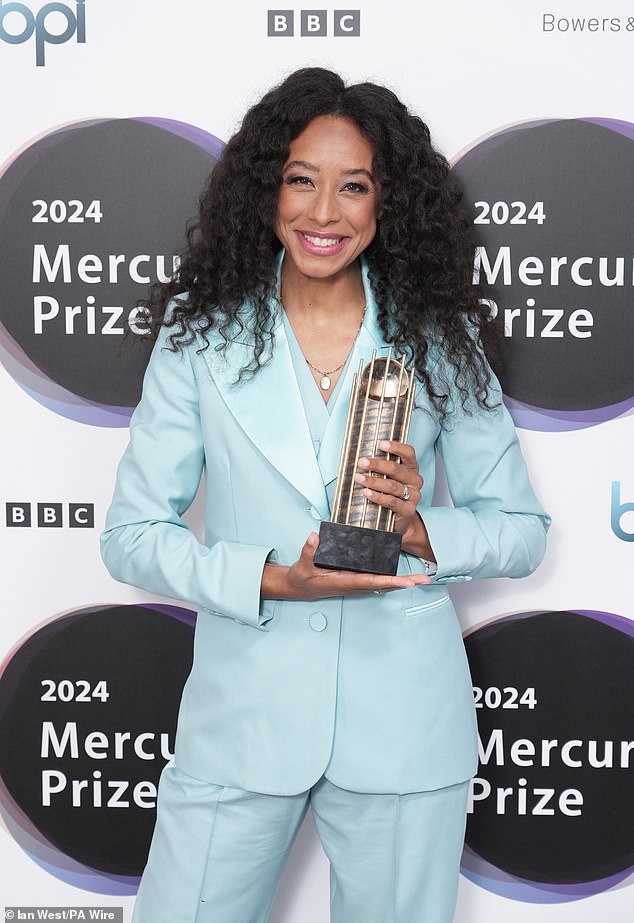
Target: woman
[(329, 229)]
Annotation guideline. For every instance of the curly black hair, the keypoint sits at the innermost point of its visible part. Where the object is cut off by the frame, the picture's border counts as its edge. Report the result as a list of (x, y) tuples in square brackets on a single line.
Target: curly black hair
[(420, 262)]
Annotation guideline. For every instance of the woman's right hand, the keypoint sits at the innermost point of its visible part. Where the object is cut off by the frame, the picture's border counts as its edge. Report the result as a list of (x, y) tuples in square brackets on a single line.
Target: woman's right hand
[(303, 580)]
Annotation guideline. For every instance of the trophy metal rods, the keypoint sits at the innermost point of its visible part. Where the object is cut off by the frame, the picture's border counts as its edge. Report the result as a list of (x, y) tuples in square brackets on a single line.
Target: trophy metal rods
[(380, 408), (360, 535)]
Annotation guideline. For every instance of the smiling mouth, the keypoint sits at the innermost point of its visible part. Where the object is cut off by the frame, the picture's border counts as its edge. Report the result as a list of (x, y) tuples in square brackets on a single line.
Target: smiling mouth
[(322, 242)]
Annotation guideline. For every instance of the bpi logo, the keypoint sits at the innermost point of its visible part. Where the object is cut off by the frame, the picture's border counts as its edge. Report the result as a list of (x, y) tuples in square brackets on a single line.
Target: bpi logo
[(314, 23), (618, 511), (37, 23)]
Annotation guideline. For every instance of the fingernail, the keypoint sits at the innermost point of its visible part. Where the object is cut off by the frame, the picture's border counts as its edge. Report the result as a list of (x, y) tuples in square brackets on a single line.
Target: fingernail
[(360, 478), (384, 444), (363, 463)]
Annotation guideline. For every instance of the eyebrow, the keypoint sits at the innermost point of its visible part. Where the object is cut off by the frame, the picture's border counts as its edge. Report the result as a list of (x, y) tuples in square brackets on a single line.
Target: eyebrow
[(306, 165)]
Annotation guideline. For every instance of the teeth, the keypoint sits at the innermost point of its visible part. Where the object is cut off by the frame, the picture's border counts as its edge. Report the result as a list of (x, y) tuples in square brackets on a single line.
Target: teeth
[(323, 241)]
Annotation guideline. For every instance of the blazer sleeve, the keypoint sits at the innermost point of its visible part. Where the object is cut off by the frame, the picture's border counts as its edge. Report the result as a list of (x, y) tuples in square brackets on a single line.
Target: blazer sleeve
[(497, 527), (146, 542)]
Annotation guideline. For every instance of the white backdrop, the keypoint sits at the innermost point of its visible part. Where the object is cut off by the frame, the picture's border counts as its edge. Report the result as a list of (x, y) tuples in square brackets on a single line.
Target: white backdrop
[(470, 70)]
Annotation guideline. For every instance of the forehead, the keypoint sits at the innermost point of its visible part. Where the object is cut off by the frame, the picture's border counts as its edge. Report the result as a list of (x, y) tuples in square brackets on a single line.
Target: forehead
[(331, 139)]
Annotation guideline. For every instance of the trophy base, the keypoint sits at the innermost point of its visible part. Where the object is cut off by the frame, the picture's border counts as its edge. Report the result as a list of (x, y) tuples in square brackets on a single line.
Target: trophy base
[(370, 551)]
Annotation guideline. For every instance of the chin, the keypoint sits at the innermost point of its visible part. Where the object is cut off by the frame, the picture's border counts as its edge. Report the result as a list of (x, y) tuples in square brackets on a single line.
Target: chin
[(320, 267)]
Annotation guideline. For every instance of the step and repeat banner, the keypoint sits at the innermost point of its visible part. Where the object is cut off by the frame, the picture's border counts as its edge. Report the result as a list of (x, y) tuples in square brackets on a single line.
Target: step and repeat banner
[(113, 115)]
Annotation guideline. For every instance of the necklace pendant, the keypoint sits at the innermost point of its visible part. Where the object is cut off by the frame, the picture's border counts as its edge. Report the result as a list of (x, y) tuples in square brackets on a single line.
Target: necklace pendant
[(324, 383)]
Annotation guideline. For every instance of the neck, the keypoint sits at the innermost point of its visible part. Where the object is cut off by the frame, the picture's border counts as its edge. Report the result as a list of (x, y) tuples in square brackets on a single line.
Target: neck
[(322, 300), (326, 316)]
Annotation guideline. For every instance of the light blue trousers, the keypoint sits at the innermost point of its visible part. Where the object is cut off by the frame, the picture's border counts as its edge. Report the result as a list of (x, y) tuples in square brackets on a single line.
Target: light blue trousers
[(218, 853)]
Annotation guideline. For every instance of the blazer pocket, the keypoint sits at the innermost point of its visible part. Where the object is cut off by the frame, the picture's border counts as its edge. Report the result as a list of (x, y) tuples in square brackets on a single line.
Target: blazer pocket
[(427, 607)]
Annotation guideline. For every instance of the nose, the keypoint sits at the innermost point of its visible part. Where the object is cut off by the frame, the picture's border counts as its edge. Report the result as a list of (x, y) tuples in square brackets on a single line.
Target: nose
[(324, 206)]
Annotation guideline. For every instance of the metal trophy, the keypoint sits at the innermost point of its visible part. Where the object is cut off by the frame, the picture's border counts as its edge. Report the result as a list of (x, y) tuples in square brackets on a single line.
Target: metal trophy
[(360, 535)]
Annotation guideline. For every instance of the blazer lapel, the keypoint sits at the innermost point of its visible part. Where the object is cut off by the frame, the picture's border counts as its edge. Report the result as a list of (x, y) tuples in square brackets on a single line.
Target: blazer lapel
[(370, 338), (269, 408)]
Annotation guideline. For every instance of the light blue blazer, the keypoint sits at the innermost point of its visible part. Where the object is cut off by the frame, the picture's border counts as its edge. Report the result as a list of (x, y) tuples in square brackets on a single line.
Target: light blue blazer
[(373, 691)]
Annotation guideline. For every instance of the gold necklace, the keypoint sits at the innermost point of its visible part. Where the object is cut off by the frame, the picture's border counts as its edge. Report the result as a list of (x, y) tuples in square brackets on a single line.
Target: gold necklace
[(325, 381)]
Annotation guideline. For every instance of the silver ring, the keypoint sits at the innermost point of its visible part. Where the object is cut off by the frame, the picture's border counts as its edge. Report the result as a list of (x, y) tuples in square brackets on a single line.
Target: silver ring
[(405, 493)]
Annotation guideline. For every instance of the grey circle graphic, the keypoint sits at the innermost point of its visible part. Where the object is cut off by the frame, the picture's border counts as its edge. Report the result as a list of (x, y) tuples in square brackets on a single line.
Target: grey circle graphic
[(91, 215), (551, 206), (553, 797), (88, 708)]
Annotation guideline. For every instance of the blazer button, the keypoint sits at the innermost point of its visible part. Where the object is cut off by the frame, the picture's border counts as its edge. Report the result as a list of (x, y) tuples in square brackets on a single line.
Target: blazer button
[(317, 621)]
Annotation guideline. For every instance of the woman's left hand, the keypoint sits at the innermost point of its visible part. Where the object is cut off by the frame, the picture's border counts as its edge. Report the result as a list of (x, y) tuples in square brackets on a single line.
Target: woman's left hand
[(397, 488)]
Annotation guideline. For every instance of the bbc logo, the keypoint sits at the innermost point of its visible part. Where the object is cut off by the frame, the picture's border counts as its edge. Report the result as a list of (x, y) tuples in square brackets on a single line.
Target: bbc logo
[(50, 516), (314, 23)]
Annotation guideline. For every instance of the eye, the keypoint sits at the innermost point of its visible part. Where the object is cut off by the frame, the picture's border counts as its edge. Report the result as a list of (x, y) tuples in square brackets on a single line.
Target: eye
[(359, 188), (298, 181)]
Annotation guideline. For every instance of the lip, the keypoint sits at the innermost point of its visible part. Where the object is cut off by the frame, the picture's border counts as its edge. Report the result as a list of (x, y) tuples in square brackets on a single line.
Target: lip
[(321, 249)]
